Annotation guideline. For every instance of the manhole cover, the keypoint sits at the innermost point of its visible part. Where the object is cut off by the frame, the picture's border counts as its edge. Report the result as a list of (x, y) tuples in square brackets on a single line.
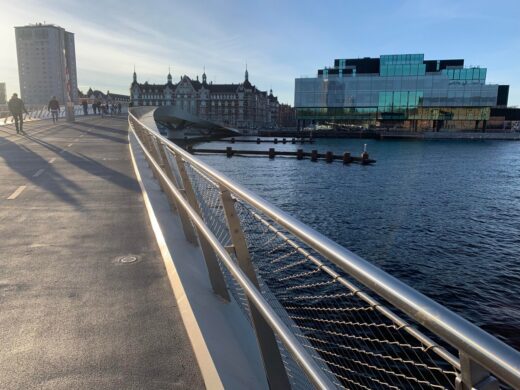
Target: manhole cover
[(128, 259)]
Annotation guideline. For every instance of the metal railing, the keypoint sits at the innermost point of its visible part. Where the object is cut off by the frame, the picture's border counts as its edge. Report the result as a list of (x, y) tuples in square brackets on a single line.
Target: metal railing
[(323, 316)]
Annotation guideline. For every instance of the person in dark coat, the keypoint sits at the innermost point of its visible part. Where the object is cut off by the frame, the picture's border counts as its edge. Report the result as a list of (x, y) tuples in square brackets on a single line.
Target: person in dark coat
[(17, 109), (85, 107), (94, 107), (54, 108)]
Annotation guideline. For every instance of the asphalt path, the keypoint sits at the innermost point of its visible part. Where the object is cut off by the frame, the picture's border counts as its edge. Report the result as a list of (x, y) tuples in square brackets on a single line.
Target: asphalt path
[(85, 302)]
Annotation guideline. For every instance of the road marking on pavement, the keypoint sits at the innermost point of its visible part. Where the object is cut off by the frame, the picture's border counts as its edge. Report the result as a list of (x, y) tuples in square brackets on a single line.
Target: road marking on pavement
[(18, 191), (81, 135), (52, 160), (39, 172), (69, 145), (76, 140)]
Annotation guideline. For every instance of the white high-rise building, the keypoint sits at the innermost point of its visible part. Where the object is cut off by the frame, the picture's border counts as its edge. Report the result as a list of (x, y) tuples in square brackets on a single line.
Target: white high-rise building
[(3, 94), (46, 64)]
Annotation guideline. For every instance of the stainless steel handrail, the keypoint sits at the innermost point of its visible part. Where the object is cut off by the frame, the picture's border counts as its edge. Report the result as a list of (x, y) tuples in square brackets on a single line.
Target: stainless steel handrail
[(485, 349), (299, 353)]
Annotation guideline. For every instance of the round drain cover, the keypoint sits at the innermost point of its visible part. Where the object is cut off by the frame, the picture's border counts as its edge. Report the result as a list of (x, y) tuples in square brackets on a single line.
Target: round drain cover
[(128, 259)]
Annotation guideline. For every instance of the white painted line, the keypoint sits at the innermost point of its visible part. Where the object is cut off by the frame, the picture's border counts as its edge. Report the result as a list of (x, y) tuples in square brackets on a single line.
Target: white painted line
[(76, 140), (69, 145), (40, 171), (52, 160), (18, 191)]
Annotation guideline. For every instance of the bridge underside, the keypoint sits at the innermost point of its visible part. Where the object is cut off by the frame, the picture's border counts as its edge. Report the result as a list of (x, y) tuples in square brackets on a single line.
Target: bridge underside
[(180, 124)]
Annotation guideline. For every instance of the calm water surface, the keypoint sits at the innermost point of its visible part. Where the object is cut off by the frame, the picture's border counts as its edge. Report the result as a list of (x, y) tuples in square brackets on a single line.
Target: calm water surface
[(443, 216)]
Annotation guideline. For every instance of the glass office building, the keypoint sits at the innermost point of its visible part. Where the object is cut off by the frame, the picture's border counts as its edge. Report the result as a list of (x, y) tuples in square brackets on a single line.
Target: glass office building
[(402, 90)]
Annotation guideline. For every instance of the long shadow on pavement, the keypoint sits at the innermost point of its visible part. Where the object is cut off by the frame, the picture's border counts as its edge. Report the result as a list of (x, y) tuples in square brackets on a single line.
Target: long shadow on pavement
[(105, 128), (91, 166), (53, 182)]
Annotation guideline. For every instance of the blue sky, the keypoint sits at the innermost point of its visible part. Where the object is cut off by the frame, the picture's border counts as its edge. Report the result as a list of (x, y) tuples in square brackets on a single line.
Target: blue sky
[(279, 40)]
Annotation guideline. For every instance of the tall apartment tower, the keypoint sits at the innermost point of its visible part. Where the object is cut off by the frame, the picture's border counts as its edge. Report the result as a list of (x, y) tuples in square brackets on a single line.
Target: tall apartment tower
[(46, 64), (3, 94)]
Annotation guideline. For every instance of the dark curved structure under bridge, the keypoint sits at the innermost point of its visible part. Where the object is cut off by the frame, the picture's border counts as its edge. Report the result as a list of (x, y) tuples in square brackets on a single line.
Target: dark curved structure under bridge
[(179, 125)]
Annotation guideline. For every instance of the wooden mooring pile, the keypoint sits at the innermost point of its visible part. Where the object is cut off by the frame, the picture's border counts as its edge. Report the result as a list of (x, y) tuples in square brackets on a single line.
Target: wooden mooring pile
[(300, 140), (313, 155)]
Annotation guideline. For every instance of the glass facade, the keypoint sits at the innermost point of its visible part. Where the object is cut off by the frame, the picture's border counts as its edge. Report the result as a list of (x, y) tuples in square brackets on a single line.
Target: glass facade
[(403, 87)]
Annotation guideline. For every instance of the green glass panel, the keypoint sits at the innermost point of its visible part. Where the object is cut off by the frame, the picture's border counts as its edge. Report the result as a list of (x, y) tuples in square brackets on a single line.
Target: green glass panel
[(412, 96), (404, 99), (456, 74)]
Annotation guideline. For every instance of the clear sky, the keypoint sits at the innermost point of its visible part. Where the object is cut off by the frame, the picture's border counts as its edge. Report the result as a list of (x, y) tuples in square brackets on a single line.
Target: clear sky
[(280, 40)]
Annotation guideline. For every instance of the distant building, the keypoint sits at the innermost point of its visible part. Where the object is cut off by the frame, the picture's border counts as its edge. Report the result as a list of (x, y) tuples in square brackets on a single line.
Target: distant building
[(237, 105), (399, 91), (286, 116), (3, 94), (46, 63), (95, 95)]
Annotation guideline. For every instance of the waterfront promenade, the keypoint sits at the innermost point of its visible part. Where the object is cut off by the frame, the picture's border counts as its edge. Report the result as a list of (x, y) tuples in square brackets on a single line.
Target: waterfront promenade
[(85, 301)]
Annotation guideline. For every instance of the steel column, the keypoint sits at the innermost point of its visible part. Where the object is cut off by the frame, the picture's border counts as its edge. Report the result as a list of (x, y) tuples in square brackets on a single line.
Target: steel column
[(473, 376), (271, 357), (187, 227), (167, 168), (215, 273)]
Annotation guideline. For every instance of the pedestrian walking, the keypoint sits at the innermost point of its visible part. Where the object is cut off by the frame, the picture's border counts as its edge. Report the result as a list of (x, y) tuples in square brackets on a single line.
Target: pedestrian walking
[(94, 108), (17, 109), (54, 108), (85, 107), (119, 108)]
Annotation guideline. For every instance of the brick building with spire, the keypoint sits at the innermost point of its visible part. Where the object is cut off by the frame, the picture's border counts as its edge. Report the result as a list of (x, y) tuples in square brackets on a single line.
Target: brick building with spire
[(240, 105)]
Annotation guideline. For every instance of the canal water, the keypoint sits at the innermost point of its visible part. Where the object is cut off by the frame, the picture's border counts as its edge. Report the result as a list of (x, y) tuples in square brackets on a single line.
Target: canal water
[(443, 216)]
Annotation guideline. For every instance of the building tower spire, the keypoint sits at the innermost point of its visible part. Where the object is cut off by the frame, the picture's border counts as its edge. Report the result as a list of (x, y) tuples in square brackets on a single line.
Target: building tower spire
[(169, 75), (135, 76), (247, 73), (204, 78)]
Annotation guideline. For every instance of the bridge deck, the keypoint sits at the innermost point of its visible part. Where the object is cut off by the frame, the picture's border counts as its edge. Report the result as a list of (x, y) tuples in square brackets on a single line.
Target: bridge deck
[(72, 315)]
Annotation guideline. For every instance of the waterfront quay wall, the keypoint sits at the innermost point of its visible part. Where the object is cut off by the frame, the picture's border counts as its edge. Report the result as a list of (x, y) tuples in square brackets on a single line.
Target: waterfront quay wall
[(389, 134), (451, 135)]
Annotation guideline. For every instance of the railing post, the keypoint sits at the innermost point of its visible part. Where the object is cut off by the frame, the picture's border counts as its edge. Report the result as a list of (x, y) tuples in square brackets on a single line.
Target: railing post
[(215, 273), (272, 359), (187, 227), (166, 166), (153, 151), (473, 376)]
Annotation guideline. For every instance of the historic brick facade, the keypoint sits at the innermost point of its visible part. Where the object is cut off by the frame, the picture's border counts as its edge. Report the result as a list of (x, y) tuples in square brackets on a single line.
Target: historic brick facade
[(239, 105)]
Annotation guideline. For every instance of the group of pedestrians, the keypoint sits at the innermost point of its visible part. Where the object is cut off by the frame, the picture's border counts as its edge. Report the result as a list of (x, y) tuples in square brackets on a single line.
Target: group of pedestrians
[(17, 109), (103, 109)]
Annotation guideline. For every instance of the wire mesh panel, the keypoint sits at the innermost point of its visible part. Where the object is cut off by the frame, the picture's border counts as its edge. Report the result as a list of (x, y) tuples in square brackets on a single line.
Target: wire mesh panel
[(355, 343), (209, 197)]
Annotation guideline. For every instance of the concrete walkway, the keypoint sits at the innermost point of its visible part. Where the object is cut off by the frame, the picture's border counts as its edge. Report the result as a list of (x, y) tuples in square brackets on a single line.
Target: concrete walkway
[(76, 310)]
